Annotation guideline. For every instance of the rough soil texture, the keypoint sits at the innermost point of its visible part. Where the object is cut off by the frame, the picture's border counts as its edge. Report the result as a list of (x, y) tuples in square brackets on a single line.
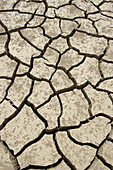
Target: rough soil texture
[(56, 84)]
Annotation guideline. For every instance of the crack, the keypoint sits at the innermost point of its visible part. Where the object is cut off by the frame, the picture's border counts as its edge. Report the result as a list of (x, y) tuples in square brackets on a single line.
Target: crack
[(12, 81), (5, 77), (65, 128), (99, 89), (2, 54), (8, 38), (105, 162), (101, 158), (66, 160), (81, 143), (12, 104), (12, 158), (61, 91), (78, 64), (89, 102), (61, 110), (101, 72), (29, 42), (95, 35), (32, 16), (97, 152), (12, 116), (110, 139), (107, 61), (43, 167), (16, 4), (30, 143), (28, 103)]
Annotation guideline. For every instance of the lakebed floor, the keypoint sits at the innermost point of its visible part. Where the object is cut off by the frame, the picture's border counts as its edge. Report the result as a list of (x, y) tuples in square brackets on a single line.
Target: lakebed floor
[(56, 84)]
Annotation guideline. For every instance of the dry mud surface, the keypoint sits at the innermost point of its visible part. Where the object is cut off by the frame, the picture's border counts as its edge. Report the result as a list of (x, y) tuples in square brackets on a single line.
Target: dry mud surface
[(56, 84)]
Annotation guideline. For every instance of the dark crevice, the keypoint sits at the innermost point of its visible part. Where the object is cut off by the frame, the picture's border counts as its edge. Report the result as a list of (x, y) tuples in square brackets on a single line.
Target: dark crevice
[(43, 167)]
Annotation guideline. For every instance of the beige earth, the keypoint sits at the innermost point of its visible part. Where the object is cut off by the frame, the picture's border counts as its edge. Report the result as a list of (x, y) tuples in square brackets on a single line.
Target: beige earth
[(56, 84)]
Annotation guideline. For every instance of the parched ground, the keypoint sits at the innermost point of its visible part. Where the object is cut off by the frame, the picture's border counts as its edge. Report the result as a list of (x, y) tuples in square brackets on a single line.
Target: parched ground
[(56, 84)]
